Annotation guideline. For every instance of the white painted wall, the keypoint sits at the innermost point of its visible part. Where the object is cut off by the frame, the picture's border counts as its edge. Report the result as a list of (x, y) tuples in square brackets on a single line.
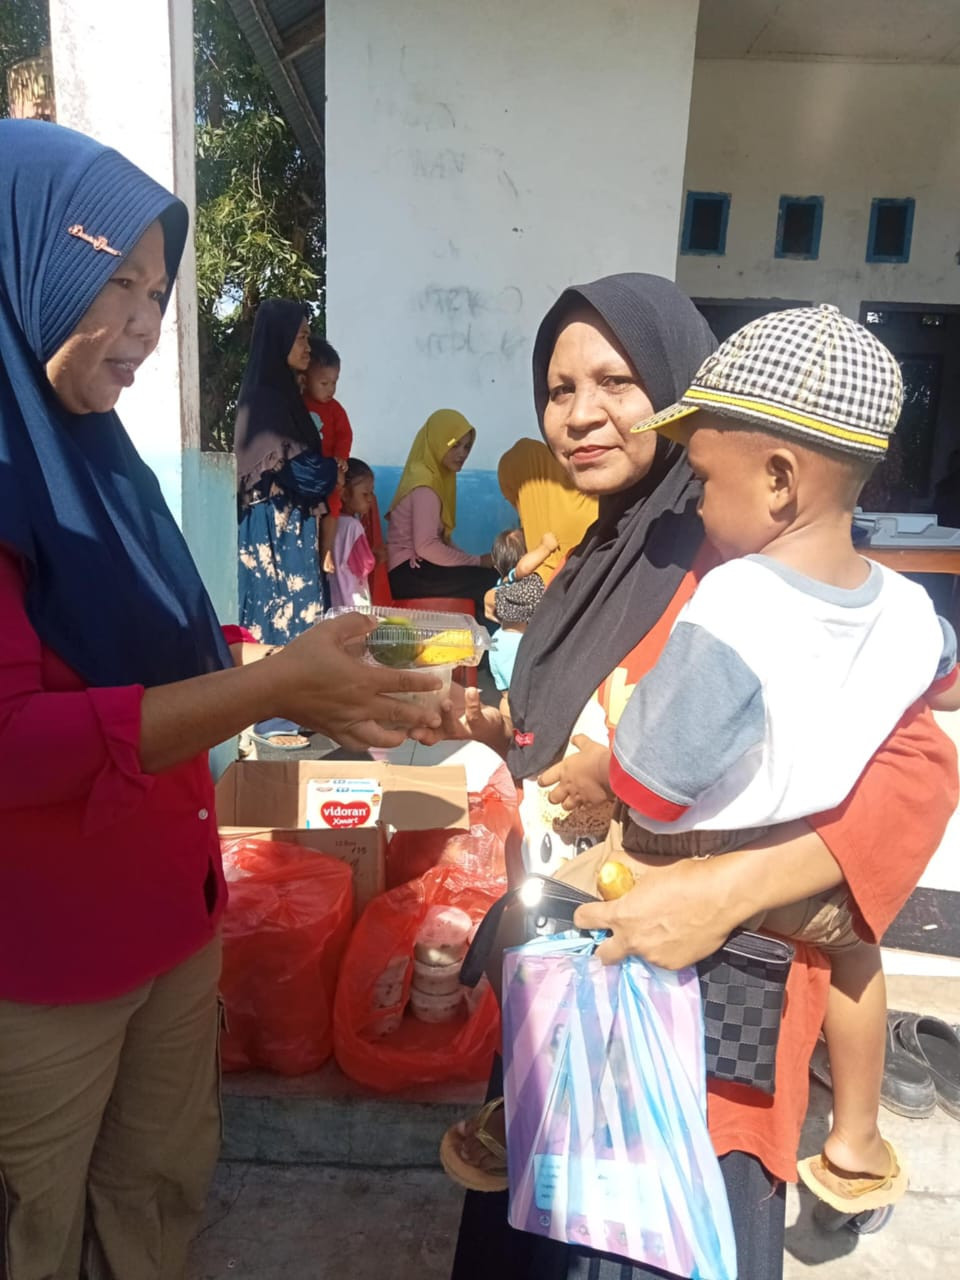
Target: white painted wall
[(847, 131), (144, 107), (479, 158)]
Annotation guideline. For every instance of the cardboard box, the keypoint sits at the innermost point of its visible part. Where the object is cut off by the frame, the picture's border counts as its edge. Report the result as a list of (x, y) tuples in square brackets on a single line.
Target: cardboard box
[(274, 800)]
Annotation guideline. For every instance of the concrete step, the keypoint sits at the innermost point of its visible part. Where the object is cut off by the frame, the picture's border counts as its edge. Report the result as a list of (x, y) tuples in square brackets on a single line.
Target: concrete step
[(326, 1119)]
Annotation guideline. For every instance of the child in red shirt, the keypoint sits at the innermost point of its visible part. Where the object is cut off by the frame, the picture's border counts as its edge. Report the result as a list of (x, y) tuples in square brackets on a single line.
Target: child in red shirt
[(336, 434)]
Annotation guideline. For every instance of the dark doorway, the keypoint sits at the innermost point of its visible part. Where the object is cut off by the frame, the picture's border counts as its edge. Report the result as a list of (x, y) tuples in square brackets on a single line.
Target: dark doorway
[(921, 469), (727, 315)]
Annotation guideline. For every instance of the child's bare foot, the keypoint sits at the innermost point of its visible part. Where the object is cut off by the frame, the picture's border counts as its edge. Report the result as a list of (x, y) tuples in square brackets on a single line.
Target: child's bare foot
[(864, 1158)]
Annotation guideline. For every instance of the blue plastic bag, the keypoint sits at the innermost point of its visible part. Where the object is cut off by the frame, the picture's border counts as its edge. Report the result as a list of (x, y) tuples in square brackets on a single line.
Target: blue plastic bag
[(605, 1094)]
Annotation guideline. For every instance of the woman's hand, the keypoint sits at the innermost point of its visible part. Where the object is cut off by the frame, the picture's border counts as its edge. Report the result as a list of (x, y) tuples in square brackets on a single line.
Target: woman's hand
[(464, 718), (322, 686), (582, 778), (674, 916)]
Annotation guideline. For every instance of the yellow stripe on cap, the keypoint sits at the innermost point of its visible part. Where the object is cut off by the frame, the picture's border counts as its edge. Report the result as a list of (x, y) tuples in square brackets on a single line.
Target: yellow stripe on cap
[(662, 419), (776, 414)]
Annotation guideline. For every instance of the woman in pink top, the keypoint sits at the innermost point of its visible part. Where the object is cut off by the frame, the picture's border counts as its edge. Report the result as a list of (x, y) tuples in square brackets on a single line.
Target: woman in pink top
[(115, 680), (420, 555)]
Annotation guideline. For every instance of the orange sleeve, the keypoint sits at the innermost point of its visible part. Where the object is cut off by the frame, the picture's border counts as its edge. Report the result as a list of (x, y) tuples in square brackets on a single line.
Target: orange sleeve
[(883, 835), (889, 826)]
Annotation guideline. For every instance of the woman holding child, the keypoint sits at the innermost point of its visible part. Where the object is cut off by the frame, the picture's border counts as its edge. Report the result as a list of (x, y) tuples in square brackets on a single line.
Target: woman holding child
[(284, 480), (607, 356)]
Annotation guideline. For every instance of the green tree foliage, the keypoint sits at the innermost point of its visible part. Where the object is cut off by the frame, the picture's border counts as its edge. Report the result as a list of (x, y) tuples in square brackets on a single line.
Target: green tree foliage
[(24, 30), (259, 229)]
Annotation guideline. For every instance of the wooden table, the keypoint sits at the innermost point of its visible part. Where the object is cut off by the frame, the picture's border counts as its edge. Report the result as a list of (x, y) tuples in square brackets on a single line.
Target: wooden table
[(916, 559)]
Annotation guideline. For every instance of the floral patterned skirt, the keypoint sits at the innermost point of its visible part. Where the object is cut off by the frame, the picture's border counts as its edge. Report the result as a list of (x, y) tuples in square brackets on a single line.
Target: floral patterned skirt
[(281, 588)]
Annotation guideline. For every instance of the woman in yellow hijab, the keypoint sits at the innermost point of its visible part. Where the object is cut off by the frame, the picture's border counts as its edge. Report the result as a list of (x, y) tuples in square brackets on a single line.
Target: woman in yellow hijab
[(422, 560), (533, 481)]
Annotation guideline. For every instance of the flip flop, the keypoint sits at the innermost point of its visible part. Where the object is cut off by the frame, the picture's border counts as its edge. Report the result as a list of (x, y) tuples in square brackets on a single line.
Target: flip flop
[(935, 1045), (907, 1088), (462, 1171), (861, 1194)]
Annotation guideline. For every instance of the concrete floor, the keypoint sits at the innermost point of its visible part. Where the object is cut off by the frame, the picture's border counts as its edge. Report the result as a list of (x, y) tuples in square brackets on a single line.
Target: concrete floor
[(307, 1195), (306, 1222)]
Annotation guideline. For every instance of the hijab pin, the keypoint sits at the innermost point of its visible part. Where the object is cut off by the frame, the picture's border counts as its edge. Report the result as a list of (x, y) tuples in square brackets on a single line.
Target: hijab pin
[(99, 243)]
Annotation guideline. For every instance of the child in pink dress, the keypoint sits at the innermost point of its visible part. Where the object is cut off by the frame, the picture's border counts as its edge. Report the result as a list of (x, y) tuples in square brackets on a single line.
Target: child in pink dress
[(353, 559)]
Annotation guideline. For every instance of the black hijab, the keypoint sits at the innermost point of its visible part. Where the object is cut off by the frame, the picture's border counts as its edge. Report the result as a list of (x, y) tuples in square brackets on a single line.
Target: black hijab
[(272, 424), (616, 585)]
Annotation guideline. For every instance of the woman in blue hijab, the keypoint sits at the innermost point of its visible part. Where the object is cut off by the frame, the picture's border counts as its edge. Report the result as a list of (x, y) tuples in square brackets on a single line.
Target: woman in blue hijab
[(115, 679)]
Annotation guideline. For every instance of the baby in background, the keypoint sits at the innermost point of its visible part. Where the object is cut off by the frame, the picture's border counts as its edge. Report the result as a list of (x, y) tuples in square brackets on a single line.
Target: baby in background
[(336, 435), (353, 558), (513, 600)]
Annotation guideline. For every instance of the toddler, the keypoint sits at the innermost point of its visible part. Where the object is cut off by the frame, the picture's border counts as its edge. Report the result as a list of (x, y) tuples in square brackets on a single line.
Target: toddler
[(353, 557), (788, 667), (513, 600), (336, 434)]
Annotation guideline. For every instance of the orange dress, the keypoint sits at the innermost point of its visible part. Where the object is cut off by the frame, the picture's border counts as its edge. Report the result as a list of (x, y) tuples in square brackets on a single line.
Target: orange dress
[(910, 788)]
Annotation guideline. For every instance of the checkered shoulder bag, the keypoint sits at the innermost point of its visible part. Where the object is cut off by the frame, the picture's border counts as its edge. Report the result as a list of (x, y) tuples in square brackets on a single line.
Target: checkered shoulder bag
[(742, 987)]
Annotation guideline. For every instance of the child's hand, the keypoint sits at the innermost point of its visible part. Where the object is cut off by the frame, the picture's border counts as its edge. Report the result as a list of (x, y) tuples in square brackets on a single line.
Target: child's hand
[(549, 542), (490, 605), (328, 566), (582, 778), (342, 464)]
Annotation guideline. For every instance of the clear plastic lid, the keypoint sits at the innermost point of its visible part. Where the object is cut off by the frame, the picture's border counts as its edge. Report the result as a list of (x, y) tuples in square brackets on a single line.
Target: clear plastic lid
[(418, 638)]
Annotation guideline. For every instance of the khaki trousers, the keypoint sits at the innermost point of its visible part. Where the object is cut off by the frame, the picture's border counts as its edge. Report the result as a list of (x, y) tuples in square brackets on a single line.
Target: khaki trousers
[(109, 1129)]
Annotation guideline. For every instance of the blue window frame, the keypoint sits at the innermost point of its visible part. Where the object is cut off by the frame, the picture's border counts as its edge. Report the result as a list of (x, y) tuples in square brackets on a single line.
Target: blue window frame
[(798, 227), (891, 227), (705, 223)]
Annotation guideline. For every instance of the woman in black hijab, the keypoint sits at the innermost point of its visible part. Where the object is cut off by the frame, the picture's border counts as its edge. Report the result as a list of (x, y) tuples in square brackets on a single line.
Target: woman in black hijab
[(282, 481), (608, 355)]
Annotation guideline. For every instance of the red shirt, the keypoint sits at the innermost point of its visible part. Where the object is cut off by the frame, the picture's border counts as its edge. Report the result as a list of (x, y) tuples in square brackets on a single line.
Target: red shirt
[(108, 875), (336, 438)]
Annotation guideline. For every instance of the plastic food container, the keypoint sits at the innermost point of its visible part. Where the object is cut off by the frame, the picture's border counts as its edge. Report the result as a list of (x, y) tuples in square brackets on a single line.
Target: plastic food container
[(415, 640), (435, 1008), (442, 938), (436, 979)]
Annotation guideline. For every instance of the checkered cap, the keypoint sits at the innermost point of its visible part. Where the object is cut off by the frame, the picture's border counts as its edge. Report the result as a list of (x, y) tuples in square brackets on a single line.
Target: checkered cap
[(810, 373)]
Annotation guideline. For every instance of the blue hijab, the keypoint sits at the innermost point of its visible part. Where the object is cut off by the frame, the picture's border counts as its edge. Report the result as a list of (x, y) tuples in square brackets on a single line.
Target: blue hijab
[(111, 586)]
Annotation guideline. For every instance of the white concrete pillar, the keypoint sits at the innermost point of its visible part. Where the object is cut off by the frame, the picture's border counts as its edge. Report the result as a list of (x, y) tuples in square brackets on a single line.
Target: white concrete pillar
[(143, 105)]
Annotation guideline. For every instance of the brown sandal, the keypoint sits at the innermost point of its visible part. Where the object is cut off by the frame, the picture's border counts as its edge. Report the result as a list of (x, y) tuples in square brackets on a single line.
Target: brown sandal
[(462, 1171), (860, 1194)]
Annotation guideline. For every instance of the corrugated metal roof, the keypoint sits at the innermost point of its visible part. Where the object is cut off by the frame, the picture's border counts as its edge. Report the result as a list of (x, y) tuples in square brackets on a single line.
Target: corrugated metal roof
[(286, 37)]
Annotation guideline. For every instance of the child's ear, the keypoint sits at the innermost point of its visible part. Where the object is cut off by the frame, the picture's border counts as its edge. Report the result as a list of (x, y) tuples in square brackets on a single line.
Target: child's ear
[(782, 471)]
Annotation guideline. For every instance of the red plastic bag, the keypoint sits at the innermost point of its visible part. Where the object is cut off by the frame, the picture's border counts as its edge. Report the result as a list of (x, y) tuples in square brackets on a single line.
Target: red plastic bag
[(375, 1042), (285, 930), (479, 850)]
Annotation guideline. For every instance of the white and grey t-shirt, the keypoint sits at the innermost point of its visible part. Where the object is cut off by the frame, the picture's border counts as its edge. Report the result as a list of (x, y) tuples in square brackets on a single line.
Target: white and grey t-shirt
[(771, 694)]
